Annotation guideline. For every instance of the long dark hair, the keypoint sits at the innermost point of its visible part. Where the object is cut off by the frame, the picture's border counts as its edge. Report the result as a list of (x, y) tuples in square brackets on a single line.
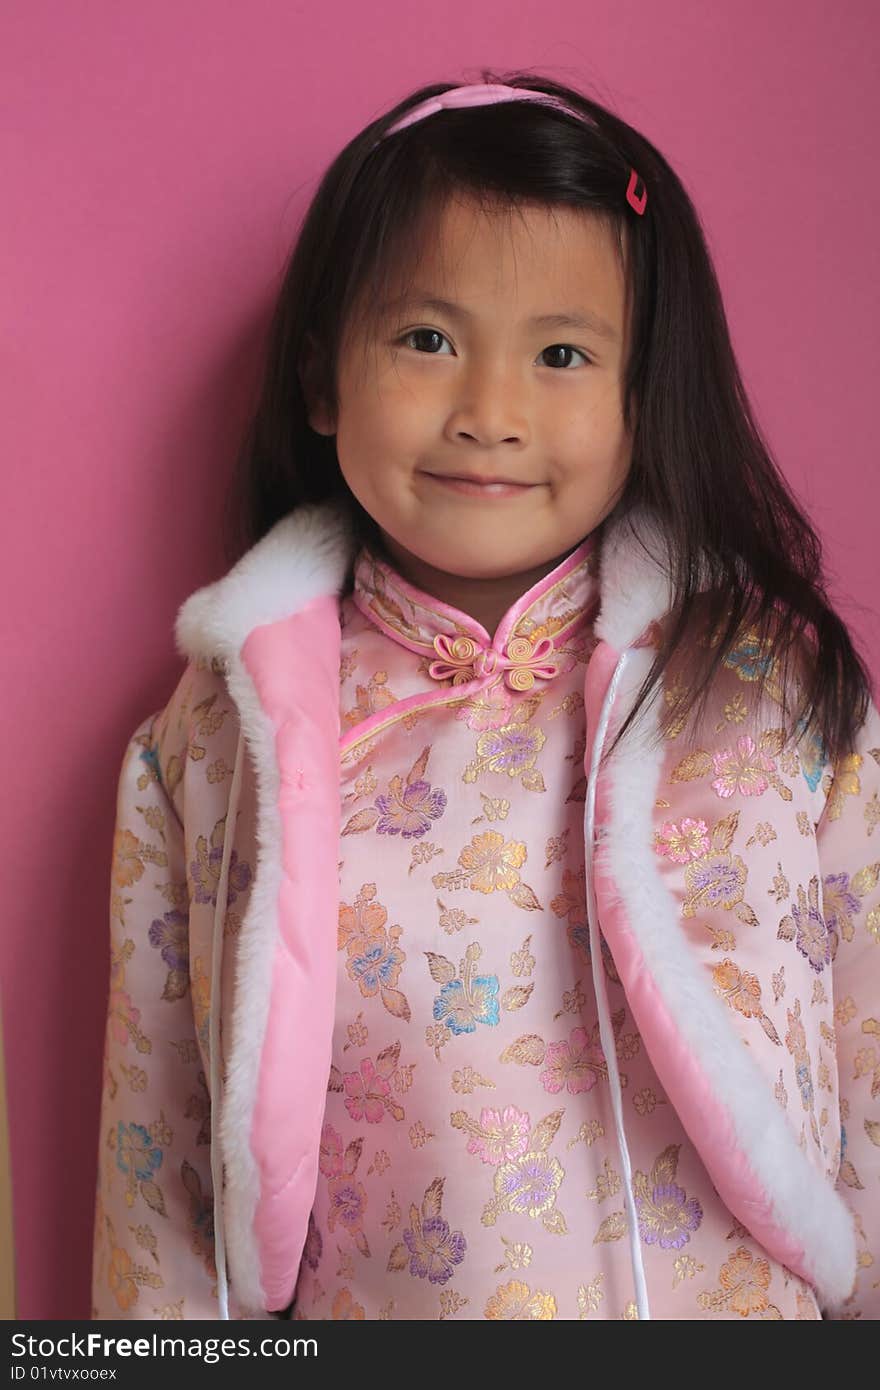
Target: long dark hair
[(699, 462)]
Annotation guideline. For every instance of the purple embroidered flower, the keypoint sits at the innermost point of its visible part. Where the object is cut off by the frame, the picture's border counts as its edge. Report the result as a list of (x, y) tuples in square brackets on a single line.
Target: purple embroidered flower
[(512, 749), (411, 813), (840, 905), (239, 876), (435, 1250), (669, 1218), (813, 939), (205, 872), (347, 1202), (529, 1185), (715, 880), (806, 926), (170, 935)]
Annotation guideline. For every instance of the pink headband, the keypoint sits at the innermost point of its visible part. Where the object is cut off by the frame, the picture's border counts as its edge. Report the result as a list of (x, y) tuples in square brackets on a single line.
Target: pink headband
[(485, 94)]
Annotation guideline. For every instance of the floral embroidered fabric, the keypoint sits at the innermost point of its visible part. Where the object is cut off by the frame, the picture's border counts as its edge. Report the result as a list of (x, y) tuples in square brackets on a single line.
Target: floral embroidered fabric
[(469, 1165)]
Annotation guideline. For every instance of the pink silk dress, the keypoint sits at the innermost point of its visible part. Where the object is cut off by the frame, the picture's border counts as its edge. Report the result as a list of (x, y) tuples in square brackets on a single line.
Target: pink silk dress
[(469, 1166)]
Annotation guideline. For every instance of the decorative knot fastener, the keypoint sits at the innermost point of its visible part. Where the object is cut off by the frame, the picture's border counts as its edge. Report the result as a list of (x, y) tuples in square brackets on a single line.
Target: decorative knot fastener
[(523, 663)]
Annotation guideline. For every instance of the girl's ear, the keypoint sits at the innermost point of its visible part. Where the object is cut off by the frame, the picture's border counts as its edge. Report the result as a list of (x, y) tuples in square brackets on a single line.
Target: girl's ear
[(320, 417)]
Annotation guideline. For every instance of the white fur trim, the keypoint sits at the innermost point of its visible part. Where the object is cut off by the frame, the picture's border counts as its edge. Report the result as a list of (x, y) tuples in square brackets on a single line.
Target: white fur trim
[(306, 554), (634, 585), (250, 1008), (805, 1204), (303, 557)]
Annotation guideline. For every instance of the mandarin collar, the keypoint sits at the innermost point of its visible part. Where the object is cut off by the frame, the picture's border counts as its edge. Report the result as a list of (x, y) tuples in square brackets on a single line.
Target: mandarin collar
[(458, 647)]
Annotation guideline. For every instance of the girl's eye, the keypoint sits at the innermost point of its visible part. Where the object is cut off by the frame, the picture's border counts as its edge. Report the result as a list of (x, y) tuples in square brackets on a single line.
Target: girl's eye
[(424, 333), (436, 334), (565, 347)]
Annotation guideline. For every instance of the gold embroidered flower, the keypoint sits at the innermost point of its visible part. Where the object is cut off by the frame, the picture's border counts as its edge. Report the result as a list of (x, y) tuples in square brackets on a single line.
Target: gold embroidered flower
[(741, 990), (843, 782), (746, 1280), (362, 924), (645, 1101), (494, 863), (345, 1308), (119, 1278), (515, 1302), (128, 864)]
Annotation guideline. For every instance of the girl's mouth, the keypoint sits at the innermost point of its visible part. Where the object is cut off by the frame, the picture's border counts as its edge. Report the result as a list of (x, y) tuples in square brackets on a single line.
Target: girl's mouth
[(472, 489)]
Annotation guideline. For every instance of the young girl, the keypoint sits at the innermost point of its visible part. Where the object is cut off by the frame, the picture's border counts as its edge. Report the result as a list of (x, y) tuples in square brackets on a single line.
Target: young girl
[(495, 919)]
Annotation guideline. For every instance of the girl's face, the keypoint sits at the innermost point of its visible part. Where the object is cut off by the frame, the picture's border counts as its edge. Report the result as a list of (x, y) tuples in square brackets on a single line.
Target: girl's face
[(480, 386)]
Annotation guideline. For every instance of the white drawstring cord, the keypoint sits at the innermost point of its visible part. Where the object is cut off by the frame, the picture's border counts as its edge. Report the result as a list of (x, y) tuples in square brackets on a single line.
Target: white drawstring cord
[(606, 1033), (214, 1029)]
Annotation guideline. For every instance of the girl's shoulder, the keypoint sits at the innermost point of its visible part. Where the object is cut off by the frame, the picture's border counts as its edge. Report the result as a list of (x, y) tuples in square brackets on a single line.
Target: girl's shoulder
[(750, 718), (194, 736)]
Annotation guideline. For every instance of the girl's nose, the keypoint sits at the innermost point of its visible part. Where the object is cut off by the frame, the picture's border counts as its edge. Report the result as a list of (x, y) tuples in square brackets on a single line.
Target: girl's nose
[(488, 406)]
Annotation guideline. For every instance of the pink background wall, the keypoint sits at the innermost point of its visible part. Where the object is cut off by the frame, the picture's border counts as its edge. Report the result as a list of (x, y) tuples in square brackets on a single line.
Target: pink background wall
[(156, 159)]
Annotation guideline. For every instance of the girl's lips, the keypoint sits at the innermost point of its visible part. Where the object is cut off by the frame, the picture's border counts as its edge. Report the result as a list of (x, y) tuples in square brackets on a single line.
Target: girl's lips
[(482, 489)]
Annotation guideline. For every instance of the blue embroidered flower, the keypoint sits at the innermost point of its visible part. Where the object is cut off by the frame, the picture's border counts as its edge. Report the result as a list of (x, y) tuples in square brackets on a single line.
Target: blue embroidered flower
[(460, 1011), (579, 936), (150, 758), (136, 1153), (378, 967), (747, 660), (812, 755), (805, 1083)]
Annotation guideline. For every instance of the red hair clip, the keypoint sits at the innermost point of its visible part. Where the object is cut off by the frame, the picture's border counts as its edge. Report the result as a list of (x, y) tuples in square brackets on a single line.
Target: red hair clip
[(631, 198)]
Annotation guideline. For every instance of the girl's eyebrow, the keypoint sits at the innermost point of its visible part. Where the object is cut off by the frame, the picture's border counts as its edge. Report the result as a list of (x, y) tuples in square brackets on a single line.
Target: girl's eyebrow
[(585, 320)]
